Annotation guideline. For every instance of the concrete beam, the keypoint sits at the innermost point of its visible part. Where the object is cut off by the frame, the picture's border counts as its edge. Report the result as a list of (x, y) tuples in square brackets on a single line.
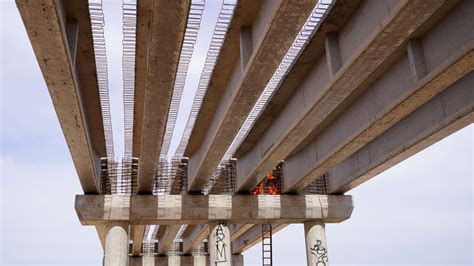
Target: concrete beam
[(252, 237), (165, 242), (386, 102), (336, 19), (244, 15), (443, 115), (195, 238), (137, 234), (163, 46), (68, 67), (194, 209), (371, 39), (273, 33), (237, 230)]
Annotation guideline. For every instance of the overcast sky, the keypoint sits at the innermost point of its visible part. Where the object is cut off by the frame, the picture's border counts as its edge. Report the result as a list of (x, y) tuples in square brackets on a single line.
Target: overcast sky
[(418, 212)]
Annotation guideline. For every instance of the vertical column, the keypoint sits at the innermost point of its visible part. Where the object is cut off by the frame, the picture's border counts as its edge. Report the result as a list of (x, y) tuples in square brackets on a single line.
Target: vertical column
[(116, 245), (174, 260), (199, 260), (316, 248), (199, 255), (219, 245)]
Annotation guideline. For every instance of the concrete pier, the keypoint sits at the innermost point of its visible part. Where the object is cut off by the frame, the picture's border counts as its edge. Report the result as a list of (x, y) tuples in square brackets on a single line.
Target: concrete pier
[(316, 247), (219, 245), (116, 245)]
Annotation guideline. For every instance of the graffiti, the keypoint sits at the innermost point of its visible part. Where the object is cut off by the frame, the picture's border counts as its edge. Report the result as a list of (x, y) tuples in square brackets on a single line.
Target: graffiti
[(320, 253), (221, 246)]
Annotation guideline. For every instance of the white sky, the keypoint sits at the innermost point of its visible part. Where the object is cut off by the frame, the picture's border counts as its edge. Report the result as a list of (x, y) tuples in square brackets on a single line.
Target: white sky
[(420, 211)]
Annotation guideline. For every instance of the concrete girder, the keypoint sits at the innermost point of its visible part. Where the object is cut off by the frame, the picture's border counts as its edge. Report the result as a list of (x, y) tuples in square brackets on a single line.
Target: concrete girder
[(386, 102), (195, 238), (245, 13), (443, 115), (371, 39), (136, 235), (252, 237), (194, 209), (163, 45), (273, 33), (165, 242), (335, 20), (71, 80)]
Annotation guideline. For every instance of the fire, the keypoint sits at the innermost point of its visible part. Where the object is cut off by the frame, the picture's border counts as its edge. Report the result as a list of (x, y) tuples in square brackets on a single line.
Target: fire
[(270, 182)]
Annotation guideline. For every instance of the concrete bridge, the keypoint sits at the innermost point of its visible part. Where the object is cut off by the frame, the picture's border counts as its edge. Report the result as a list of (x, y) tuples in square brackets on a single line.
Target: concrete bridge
[(349, 87)]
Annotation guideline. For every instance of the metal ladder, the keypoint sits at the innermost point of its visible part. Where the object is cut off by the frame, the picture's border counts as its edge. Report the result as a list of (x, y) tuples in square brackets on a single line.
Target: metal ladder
[(267, 245)]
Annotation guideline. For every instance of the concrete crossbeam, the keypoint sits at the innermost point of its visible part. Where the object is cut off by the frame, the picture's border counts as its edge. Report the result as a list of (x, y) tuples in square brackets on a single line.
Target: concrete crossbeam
[(60, 33), (371, 39), (194, 209), (273, 32), (387, 101), (163, 44), (443, 115)]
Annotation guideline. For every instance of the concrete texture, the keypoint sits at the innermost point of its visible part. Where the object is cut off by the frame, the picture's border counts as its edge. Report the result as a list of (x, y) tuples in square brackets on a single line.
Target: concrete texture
[(321, 97), (338, 16), (163, 45), (252, 237), (183, 260), (71, 81), (137, 234), (382, 105), (316, 246), (116, 245), (245, 14), (165, 242), (220, 249), (93, 209), (195, 238), (273, 32), (443, 115)]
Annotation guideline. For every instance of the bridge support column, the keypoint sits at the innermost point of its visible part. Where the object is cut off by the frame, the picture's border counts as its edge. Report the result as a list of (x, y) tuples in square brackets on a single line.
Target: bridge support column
[(199, 260), (116, 245), (219, 245), (316, 248)]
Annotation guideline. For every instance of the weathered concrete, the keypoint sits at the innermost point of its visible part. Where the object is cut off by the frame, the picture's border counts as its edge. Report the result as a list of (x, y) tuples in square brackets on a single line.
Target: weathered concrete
[(195, 238), (333, 23), (252, 237), (71, 80), (376, 36), (387, 101), (163, 45), (116, 245), (273, 32), (183, 260), (194, 209), (316, 246), (136, 235), (443, 115), (220, 249), (165, 242), (245, 14)]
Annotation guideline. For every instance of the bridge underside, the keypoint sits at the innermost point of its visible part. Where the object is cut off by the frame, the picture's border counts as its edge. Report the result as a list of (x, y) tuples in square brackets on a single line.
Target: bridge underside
[(368, 84)]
